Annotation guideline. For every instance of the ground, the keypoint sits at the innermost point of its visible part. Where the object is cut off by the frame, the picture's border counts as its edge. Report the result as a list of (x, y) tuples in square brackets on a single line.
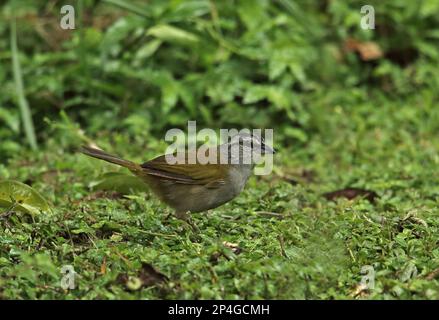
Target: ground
[(280, 239)]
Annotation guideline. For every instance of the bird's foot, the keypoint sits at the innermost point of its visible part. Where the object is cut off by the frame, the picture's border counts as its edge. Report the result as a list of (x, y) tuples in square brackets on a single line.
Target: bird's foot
[(184, 216)]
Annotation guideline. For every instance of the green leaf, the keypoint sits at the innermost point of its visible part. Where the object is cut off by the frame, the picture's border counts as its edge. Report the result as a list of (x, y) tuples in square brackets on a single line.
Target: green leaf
[(148, 49), (129, 7), (120, 182), (298, 72), (254, 15), (428, 49), (296, 134), (172, 34), (280, 97), (11, 119), (276, 68), (255, 94), (107, 225), (188, 9), (429, 8), (17, 195)]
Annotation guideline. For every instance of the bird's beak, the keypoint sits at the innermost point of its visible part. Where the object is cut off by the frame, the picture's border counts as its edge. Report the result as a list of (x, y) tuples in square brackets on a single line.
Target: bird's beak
[(268, 149)]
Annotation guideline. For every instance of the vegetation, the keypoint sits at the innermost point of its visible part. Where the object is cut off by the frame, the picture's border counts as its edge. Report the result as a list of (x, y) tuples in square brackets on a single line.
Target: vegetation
[(353, 111)]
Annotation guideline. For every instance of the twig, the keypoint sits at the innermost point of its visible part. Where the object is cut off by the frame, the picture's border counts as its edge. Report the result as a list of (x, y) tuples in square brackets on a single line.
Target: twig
[(352, 255), (272, 214), (224, 216), (282, 246), (157, 234), (8, 212)]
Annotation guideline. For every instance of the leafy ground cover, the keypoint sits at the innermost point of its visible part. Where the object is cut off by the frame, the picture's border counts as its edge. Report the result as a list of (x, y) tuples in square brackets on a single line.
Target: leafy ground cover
[(280, 239)]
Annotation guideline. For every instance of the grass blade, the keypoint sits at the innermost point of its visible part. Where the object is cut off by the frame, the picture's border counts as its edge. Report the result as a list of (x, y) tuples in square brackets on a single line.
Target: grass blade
[(22, 102), (82, 52), (130, 7)]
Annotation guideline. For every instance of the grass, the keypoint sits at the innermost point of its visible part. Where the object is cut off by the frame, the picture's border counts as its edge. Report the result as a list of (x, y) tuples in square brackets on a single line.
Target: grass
[(280, 239), (22, 102)]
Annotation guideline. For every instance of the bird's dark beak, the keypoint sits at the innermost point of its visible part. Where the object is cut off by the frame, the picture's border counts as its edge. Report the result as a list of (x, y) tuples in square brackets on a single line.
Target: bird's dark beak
[(267, 149)]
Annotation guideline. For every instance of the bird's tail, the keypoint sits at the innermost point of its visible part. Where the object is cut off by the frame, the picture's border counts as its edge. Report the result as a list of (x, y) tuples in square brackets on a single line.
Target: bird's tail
[(100, 154)]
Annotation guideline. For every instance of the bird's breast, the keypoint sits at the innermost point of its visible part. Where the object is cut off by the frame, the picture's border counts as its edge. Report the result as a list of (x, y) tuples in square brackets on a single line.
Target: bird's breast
[(197, 198)]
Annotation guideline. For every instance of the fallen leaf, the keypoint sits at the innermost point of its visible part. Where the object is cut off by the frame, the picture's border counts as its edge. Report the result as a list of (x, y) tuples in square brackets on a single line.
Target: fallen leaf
[(433, 274), (367, 50), (151, 276), (148, 276), (21, 197), (120, 182), (361, 290), (351, 193), (104, 266)]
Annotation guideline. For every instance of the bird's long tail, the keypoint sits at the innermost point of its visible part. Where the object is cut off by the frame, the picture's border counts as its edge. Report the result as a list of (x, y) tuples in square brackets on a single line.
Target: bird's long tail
[(99, 154)]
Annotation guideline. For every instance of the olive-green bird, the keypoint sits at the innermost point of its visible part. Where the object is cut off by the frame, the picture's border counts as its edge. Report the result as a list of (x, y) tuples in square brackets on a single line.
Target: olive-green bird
[(197, 187)]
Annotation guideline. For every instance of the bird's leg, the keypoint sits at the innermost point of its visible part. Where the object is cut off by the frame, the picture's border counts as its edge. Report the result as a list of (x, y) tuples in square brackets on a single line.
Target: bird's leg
[(168, 216), (187, 218)]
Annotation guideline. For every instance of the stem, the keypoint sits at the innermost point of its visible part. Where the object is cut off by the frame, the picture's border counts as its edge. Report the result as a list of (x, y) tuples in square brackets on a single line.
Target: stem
[(26, 115)]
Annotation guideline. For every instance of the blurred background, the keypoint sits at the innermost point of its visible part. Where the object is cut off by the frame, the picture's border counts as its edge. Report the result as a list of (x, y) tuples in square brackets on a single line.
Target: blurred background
[(305, 68)]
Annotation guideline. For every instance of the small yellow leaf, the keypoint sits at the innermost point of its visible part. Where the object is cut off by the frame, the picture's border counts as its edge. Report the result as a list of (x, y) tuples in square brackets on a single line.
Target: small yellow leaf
[(22, 197)]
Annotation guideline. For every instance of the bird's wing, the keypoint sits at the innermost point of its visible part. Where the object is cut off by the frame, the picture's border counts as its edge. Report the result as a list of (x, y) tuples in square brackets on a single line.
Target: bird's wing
[(209, 175)]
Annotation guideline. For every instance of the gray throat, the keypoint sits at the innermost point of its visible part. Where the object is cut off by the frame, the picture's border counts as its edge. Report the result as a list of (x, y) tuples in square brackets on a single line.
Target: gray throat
[(240, 168)]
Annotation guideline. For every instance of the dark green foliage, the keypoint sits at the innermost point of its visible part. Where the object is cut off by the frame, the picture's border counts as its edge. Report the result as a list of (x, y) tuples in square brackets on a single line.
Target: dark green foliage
[(144, 68)]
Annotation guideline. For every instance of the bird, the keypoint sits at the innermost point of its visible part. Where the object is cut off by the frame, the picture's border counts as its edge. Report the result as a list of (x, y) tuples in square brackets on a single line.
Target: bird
[(198, 186)]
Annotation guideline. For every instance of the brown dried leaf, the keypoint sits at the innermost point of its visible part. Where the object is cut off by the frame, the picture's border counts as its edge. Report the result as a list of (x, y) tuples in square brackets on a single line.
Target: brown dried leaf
[(361, 290), (104, 266), (150, 276), (351, 193), (433, 274), (367, 50)]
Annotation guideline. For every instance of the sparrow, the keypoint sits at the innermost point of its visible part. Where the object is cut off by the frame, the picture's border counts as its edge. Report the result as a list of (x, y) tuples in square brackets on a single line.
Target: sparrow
[(198, 186)]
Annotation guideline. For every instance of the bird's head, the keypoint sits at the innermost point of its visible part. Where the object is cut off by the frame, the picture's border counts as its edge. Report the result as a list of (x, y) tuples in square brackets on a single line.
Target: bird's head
[(247, 148)]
